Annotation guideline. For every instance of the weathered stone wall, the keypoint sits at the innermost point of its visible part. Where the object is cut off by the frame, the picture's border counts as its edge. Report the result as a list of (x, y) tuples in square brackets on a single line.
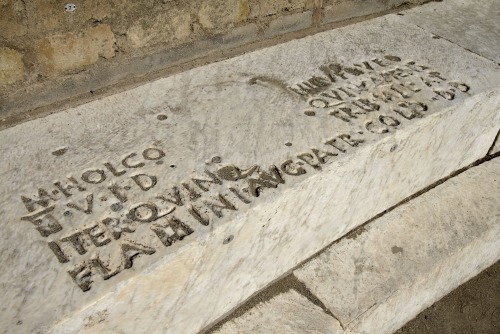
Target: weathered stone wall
[(48, 54)]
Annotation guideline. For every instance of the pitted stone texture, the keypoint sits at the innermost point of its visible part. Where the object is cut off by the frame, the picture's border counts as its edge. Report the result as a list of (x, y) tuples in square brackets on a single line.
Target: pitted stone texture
[(286, 313), (13, 22), (227, 118), (62, 53), (260, 8), (211, 16), (474, 25), (413, 256), (11, 66), (340, 10), (171, 26), (289, 23), (49, 17)]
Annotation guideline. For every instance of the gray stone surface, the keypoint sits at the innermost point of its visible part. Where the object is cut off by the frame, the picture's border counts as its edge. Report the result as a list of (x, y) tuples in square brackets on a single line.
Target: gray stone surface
[(290, 23), (286, 313), (474, 25), (340, 10), (351, 121), (411, 257)]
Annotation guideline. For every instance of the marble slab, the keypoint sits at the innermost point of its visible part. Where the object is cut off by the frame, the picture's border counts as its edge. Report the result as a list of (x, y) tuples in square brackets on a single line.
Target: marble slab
[(286, 313), (411, 257), (181, 198), (474, 25)]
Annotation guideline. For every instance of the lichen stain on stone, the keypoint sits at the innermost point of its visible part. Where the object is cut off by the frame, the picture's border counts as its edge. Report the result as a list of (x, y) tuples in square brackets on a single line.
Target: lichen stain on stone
[(60, 151), (396, 250)]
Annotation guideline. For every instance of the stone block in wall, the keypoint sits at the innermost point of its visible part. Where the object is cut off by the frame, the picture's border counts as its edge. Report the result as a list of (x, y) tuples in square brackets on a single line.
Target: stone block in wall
[(47, 17), (67, 52), (221, 14), (166, 27), (171, 24), (289, 23), (12, 19), (260, 8), (11, 66)]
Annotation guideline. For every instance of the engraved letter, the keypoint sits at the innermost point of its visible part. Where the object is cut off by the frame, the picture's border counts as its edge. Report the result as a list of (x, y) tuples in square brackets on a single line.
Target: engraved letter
[(113, 170), (76, 241), (117, 227), (65, 189), (193, 195), (97, 236), (255, 184), (43, 200), (125, 161), (118, 192), (144, 213), (130, 251), (240, 196), (273, 175), (289, 168), (351, 141), (410, 110), (333, 142), (217, 208), (308, 159), (88, 210), (175, 198), (102, 269), (54, 246), (82, 276), (46, 225), (153, 154), (374, 129), (196, 214), (460, 86), (388, 120), (94, 176), (213, 179), (173, 231), (144, 181), (319, 103), (322, 156)]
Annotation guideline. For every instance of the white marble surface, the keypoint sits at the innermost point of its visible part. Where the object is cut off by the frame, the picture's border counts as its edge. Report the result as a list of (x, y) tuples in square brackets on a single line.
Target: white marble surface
[(286, 313), (474, 25), (241, 111), (411, 257)]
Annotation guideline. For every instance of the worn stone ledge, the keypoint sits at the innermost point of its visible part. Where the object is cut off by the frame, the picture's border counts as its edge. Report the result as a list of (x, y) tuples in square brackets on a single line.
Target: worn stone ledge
[(380, 277), (472, 25), (413, 256), (288, 312)]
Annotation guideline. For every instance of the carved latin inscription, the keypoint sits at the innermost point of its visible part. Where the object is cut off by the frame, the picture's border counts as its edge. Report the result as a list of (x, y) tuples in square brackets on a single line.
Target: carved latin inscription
[(373, 98)]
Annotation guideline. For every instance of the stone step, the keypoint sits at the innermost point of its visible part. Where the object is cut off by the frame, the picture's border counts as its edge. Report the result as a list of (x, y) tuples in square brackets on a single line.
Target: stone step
[(396, 266), (472, 25), (288, 312), (165, 201)]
